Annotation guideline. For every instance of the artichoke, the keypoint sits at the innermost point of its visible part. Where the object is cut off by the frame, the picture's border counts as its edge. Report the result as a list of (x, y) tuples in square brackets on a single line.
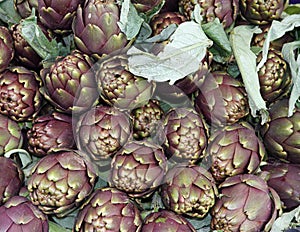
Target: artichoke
[(20, 98), (58, 16), (69, 84), (146, 5), (24, 7), (60, 182), (261, 12), (50, 132), (284, 179), (101, 132), (280, 135), (246, 204), (18, 214), (95, 28), (225, 10), (138, 168), (165, 220), (119, 87), (186, 135), (147, 121), (7, 48), (234, 150), (11, 135), (274, 76), (11, 179), (189, 190), (108, 209), (222, 99), (161, 21), (24, 53), (191, 83)]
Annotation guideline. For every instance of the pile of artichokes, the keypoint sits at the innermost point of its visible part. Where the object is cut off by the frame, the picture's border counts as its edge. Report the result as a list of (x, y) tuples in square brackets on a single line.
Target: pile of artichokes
[(89, 144)]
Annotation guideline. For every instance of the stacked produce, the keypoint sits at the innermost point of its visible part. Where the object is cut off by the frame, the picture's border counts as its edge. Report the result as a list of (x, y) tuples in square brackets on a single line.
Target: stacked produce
[(156, 115)]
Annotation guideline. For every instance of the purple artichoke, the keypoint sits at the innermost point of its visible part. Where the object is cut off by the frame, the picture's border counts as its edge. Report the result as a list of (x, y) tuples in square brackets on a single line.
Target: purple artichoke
[(108, 209), (50, 132), (18, 214)]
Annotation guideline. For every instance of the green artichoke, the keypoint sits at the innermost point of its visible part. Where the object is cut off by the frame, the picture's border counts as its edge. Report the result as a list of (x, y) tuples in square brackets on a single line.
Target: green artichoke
[(138, 168), (11, 179), (162, 20), (166, 220), (60, 182), (225, 10), (261, 12), (246, 203), (146, 5), (280, 135), (274, 76), (236, 149), (69, 84), (24, 7), (119, 87), (20, 98), (50, 132), (284, 179), (58, 15), (18, 214), (101, 132), (189, 190), (147, 121), (222, 99), (108, 209), (186, 135), (7, 48), (95, 28), (11, 135)]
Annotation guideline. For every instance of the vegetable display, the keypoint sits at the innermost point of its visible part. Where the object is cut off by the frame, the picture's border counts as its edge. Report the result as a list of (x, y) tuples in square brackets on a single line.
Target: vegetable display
[(149, 115)]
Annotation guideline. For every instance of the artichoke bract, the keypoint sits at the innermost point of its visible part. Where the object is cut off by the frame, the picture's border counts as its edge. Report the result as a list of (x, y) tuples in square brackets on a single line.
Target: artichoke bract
[(261, 12), (284, 179), (60, 182), (11, 135), (20, 98), (280, 135), (236, 149), (146, 5), (138, 168), (18, 214), (69, 84), (274, 76), (58, 16), (119, 87), (189, 190), (108, 209), (162, 20), (225, 10), (50, 132), (101, 132), (95, 28), (246, 204), (165, 220), (7, 48), (11, 179), (185, 135), (222, 99), (24, 7), (147, 121)]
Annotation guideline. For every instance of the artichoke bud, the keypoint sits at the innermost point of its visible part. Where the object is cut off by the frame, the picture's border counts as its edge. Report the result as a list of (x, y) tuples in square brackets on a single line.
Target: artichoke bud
[(138, 168)]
